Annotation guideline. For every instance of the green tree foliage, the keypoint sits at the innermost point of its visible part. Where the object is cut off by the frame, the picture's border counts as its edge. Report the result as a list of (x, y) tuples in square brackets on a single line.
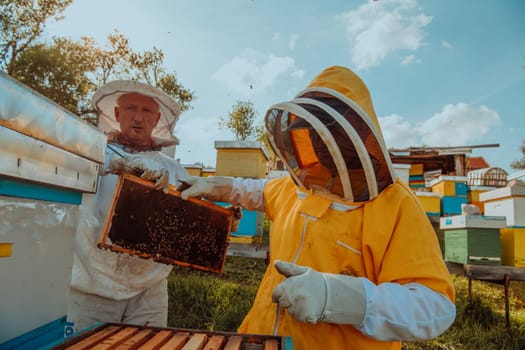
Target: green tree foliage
[(149, 67), (68, 72), (21, 23), (520, 164), (58, 71), (240, 121)]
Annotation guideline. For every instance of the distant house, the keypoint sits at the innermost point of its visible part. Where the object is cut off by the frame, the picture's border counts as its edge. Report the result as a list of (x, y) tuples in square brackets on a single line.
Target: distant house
[(446, 160), (475, 163)]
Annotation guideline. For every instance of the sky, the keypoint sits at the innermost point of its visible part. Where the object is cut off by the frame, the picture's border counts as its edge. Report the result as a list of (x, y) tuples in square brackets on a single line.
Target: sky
[(440, 72)]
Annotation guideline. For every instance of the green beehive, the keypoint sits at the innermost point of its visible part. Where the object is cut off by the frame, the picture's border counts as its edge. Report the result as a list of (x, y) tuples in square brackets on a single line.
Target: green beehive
[(477, 246)]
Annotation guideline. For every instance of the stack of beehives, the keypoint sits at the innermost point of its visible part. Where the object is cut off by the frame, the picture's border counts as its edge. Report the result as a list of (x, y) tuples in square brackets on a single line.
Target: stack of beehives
[(416, 178), (472, 239), (453, 191), (509, 202)]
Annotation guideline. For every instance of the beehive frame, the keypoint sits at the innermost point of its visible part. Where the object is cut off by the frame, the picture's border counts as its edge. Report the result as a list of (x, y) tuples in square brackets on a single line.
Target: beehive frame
[(148, 223), (133, 337)]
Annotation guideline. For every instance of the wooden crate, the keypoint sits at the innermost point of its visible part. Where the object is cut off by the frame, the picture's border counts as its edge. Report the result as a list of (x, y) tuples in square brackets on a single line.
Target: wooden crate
[(477, 246), (122, 336), (513, 246), (150, 224)]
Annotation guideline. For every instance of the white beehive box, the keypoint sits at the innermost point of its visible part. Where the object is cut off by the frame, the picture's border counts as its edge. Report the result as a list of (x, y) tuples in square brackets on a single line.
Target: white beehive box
[(472, 221), (49, 158), (508, 202), (402, 171)]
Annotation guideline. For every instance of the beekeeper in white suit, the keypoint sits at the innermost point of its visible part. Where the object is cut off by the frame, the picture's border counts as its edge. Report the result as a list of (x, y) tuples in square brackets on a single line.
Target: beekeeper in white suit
[(354, 261), (107, 286)]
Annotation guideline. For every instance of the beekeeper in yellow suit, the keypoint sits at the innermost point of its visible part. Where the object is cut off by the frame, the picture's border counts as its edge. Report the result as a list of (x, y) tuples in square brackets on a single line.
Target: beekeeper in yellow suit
[(354, 261)]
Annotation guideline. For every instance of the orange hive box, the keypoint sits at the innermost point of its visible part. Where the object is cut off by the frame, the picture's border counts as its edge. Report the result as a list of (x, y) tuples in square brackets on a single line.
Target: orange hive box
[(148, 223), (122, 336)]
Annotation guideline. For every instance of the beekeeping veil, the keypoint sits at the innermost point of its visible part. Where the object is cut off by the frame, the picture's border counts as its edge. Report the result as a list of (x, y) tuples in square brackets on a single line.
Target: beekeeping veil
[(329, 138), (106, 97)]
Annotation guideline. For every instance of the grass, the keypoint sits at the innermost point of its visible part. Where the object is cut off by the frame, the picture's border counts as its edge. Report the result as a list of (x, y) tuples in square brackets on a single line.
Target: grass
[(205, 301)]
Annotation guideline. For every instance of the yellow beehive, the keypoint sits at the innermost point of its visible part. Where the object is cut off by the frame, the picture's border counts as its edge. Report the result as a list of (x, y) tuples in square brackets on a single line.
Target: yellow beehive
[(513, 246), (208, 172), (431, 202), (473, 196), (416, 169), (6, 249), (474, 192), (241, 158), (450, 186), (193, 169)]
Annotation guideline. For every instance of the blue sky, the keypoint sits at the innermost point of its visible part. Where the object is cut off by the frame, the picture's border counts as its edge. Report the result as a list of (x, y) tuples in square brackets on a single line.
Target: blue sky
[(441, 72)]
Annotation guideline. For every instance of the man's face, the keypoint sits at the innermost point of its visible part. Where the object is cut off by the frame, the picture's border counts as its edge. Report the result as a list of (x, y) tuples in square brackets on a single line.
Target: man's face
[(138, 115)]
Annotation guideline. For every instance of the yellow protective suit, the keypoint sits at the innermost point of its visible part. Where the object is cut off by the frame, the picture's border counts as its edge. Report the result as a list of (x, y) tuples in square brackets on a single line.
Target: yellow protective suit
[(384, 239)]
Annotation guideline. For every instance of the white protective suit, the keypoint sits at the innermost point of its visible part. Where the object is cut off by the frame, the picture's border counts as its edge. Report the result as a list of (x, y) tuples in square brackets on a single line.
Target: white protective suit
[(106, 286)]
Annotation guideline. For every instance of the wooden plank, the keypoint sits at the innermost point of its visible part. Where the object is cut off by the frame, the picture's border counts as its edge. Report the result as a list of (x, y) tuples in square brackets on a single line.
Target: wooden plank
[(234, 343), (455, 268), (93, 339), (271, 344), (494, 273), (196, 342), (215, 342), (116, 339), (176, 342), (157, 341), (247, 250), (135, 341)]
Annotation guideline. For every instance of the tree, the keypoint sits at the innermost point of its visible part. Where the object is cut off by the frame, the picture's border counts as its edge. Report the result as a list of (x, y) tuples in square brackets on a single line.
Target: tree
[(520, 164), (69, 72), (240, 120), (149, 67), (21, 23), (59, 72)]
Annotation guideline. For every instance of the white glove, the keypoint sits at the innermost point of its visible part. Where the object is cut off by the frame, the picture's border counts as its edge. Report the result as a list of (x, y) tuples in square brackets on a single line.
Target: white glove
[(312, 296), (146, 168), (213, 188)]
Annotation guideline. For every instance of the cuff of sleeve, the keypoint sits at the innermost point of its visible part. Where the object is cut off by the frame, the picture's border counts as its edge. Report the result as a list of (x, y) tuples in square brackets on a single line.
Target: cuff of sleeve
[(346, 301)]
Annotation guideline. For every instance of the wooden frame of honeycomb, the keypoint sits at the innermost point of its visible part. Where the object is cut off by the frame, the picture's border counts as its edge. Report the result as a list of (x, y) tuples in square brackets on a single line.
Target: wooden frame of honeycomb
[(133, 337), (151, 224)]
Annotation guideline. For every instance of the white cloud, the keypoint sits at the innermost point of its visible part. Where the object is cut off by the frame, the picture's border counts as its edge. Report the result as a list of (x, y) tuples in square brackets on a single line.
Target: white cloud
[(409, 60), (446, 44), (293, 41), (378, 28), (253, 70), (456, 125), (397, 131)]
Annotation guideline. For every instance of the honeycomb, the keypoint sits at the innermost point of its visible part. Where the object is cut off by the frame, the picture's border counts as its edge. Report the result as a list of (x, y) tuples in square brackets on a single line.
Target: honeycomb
[(154, 225)]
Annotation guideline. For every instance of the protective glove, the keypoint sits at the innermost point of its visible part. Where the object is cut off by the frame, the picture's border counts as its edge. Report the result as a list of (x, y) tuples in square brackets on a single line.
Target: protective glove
[(213, 188), (312, 296), (146, 168)]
